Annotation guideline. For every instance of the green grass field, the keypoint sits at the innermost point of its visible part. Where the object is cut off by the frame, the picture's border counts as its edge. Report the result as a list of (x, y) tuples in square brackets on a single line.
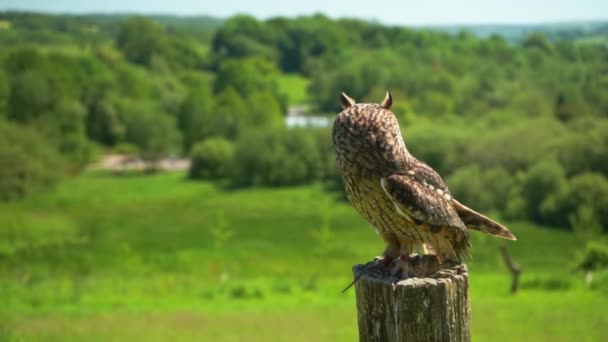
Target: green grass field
[(295, 87), (157, 257)]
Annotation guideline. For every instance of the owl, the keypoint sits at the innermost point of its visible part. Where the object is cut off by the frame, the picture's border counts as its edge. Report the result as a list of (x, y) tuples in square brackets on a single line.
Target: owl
[(405, 200)]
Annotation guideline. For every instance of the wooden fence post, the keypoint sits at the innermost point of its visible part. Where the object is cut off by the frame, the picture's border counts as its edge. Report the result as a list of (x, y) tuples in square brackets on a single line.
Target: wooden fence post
[(433, 306)]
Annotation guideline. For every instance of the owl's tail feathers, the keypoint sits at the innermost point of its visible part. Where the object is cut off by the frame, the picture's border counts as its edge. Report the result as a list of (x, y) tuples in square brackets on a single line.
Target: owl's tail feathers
[(477, 221)]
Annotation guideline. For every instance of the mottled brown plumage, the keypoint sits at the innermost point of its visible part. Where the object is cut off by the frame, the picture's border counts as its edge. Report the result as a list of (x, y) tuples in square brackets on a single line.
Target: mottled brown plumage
[(405, 200)]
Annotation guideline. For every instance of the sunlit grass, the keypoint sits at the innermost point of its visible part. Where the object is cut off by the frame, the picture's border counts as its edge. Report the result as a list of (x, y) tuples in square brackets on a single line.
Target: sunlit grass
[(295, 87), (133, 252)]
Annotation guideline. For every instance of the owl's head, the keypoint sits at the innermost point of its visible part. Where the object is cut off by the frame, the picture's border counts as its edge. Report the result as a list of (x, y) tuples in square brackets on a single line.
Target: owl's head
[(347, 101)]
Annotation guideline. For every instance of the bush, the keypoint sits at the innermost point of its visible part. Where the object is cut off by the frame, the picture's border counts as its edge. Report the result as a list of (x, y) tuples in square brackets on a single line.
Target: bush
[(587, 189), (481, 189), (28, 162), (211, 158), (276, 157), (595, 257)]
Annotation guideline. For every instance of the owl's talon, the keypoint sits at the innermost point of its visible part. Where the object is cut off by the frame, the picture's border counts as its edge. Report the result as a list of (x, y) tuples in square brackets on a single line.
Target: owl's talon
[(385, 260), (401, 268)]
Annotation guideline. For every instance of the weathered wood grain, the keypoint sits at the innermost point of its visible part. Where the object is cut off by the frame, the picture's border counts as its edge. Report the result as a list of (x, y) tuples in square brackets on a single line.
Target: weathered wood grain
[(433, 306)]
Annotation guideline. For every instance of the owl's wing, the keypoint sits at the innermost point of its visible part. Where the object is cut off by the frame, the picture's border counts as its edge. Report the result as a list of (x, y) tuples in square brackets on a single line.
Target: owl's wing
[(421, 201)]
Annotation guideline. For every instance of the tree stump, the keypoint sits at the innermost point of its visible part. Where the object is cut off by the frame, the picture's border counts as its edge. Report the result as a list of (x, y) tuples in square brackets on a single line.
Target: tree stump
[(431, 306)]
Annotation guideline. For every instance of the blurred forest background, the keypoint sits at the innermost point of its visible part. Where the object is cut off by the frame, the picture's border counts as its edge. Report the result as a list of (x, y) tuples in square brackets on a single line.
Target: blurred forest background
[(251, 229)]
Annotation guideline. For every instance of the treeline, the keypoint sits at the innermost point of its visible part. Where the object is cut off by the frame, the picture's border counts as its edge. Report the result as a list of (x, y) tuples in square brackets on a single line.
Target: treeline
[(145, 90), (438, 73), (518, 129)]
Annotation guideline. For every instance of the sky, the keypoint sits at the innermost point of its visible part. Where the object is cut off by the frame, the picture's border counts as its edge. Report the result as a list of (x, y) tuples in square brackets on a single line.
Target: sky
[(395, 12)]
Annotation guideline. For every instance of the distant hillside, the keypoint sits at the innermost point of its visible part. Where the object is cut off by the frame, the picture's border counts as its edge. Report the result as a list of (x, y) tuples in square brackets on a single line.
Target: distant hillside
[(203, 26), (517, 33)]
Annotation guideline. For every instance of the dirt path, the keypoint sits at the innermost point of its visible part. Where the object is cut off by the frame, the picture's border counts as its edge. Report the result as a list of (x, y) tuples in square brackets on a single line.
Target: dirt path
[(121, 162)]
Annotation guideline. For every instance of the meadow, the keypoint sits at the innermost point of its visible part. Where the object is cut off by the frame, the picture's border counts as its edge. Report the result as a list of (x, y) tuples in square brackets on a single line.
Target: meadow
[(104, 257)]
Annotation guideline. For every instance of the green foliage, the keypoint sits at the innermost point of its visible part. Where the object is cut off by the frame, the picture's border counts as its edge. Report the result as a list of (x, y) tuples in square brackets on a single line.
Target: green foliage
[(247, 77), (594, 257), (44, 93), (275, 158), (211, 159), (515, 147), (153, 132), (220, 234), (28, 162), (585, 224), (31, 94), (584, 148), (514, 125), (64, 127), (229, 114), (4, 93), (141, 39), (588, 190), (483, 190), (103, 123), (544, 179), (196, 116), (538, 41), (243, 36)]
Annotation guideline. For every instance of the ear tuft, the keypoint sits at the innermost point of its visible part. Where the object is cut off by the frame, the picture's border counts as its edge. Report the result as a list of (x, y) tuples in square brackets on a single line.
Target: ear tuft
[(346, 101), (387, 102)]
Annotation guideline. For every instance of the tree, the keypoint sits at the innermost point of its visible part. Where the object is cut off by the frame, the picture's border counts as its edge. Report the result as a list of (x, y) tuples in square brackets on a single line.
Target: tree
[(31, 95), (544, 179), (229, 114), (140, 39), (65, 128), (482, 190), (28, 162), (153, 132), (196, 116), (584, 190), (244, 36), (247, 76), (103, 123), (4, 93), (539, 41), (264, 111)]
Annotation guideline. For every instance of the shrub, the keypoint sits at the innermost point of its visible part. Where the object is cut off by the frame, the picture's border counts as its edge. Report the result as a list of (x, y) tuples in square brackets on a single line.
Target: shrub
[(586, 189), (542, 180), (276, 157), (28, 162), (211, 158), (481, 189), (594, 257)]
